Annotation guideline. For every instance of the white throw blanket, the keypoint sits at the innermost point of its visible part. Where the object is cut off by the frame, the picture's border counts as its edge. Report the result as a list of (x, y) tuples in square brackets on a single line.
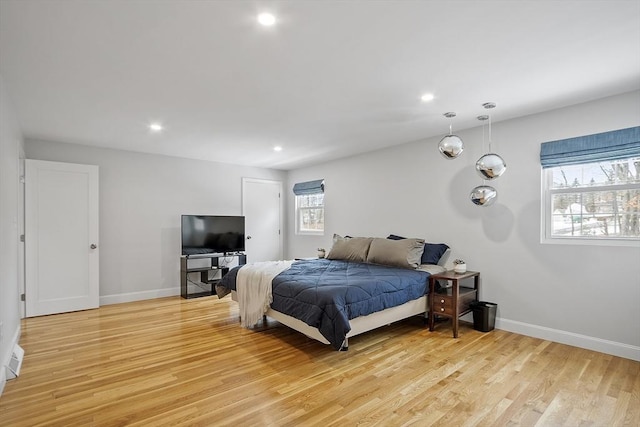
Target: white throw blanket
[(253, 287)]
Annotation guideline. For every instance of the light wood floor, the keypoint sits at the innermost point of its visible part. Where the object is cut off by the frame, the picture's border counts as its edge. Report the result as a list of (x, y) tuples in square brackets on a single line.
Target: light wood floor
[(182, 362)]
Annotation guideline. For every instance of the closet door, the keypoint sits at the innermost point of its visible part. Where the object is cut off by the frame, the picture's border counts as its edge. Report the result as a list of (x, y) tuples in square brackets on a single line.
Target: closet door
[(61, 237), (262, 208)]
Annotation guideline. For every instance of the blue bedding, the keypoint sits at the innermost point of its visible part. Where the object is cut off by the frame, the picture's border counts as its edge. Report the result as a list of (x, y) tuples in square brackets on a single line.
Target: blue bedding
[(326, 294)]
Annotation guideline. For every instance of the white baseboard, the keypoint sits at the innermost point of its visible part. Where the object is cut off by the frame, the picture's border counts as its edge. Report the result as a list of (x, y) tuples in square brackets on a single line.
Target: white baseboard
[(577, 340), (139, 296), (6, 358)]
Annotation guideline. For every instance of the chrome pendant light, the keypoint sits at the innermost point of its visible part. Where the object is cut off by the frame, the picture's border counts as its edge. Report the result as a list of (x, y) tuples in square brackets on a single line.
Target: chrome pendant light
[(484, 195), (489, 166), (451, 146)]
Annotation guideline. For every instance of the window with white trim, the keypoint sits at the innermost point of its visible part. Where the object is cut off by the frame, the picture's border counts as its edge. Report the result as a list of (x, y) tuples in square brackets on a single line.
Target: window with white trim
[(309, 206), (591, 189)]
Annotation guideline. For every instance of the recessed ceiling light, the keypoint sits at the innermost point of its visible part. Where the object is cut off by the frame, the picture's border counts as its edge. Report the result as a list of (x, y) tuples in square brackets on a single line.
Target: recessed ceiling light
[(427, 97), (277, 148), (155, 127), (266, 19)]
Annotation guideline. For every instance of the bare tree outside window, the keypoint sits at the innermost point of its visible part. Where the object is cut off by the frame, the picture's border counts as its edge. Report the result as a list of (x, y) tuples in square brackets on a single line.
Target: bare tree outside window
[(310, 214), (595, 200)]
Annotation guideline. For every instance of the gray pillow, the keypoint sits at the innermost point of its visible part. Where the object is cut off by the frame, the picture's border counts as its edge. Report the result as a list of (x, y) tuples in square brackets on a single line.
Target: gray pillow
[(404, 253), (350, 248)]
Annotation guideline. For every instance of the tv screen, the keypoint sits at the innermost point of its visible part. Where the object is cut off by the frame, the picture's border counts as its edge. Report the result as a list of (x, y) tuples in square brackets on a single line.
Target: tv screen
[(206, 234)]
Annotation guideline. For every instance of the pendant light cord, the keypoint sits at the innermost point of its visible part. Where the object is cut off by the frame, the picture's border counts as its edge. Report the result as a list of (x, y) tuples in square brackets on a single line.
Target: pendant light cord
[(484, 181), (484, 130), (490, 134)]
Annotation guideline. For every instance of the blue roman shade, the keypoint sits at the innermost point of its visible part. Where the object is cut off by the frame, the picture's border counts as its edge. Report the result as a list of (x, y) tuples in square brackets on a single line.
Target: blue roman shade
[(614, 145), (309, 187)]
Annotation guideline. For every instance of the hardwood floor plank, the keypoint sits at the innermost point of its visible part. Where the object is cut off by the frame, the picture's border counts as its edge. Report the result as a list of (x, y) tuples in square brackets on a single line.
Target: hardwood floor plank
[(175, 362)]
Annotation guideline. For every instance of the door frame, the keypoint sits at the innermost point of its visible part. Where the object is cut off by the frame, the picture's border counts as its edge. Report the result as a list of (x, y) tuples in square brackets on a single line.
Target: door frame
[(281, 205), (22, 269)]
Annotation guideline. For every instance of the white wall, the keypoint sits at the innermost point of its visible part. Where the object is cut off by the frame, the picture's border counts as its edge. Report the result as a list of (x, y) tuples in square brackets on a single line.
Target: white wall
[(141, 199), (11, 151), (581, 295)]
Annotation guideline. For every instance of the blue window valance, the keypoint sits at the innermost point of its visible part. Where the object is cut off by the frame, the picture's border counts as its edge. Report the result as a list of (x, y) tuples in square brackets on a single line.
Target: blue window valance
[(309, 187), (614, 145)]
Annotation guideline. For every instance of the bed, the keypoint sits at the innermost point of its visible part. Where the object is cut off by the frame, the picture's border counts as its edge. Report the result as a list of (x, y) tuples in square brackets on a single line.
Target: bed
[(365, 283)]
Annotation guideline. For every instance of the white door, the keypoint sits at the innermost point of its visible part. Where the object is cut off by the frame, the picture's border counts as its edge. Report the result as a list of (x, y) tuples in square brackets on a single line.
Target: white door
[(61, 237), (262, 208)]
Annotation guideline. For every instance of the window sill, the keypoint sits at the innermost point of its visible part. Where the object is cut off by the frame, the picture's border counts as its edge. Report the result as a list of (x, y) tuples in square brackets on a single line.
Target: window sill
[(310, 233), (589, 242)]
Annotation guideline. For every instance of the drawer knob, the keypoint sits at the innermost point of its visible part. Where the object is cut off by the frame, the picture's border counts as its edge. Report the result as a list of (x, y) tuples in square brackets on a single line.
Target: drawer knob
[(442, 309), (442, 301)]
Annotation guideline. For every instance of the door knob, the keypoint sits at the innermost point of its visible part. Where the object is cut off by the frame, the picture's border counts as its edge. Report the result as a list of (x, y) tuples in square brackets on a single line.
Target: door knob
[(248, 237), (93, 246)]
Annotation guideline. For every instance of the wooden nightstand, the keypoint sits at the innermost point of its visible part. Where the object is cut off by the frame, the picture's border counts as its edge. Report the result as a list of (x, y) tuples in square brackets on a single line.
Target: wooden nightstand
[(455, 301)]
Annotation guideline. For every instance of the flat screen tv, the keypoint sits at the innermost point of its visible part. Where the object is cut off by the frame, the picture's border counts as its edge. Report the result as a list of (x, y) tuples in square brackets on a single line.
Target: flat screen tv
[(207, 234)]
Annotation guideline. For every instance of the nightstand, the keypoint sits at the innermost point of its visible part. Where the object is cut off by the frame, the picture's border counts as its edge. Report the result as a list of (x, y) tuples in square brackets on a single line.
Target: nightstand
[(453, 301)]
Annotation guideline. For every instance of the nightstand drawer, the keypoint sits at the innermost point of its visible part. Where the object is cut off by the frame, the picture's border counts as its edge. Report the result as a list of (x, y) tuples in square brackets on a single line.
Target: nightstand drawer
[(443, 300), (443, 309), (442, 304)]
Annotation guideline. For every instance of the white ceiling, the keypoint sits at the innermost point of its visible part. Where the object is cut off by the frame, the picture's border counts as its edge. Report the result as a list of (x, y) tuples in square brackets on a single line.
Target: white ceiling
[(331, 79)]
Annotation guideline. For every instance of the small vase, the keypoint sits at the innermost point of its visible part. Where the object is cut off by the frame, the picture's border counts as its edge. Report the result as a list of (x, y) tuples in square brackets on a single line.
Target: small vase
[(321, 254), (460, 268)]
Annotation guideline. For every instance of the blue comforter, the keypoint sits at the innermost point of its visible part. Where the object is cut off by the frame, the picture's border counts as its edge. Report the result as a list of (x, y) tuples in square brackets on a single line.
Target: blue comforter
[(326, 294)]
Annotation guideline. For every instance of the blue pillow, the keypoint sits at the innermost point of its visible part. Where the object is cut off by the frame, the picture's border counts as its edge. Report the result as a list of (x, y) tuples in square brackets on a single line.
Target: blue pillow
[(432, 251)]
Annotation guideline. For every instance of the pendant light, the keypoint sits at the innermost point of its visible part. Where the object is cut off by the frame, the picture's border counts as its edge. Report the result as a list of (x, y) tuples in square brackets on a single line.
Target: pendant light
[(489, 166), (451, 146), (484, 195)]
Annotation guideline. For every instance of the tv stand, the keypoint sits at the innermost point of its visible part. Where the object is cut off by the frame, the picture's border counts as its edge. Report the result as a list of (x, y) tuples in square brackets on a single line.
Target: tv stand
[(212, 269)]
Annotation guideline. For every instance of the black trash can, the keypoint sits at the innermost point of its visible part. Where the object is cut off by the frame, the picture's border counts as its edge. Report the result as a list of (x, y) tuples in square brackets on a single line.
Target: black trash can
[(484, 315)]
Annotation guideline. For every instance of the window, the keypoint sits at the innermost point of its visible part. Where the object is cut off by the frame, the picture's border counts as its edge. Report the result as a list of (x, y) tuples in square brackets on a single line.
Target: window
[(591, 189), (309, 207)]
